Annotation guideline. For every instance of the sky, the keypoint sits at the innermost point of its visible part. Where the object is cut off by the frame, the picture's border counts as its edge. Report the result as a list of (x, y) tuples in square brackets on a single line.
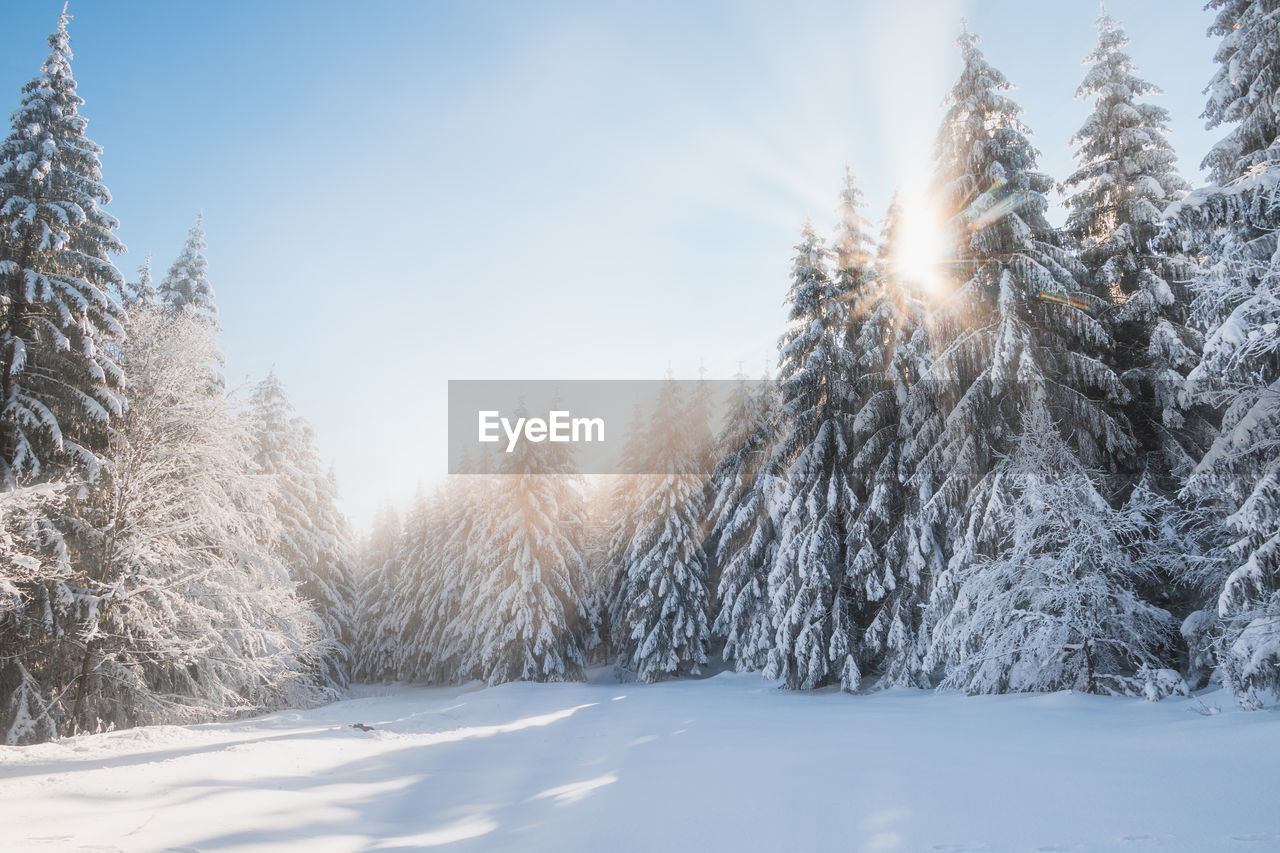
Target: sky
[(400, 194)]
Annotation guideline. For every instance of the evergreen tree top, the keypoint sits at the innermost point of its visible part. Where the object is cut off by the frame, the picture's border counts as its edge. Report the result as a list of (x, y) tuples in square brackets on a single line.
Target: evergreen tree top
[(47, 160), (976, 108), (854, 245), (187, 283), (1127, 174), (1244, 89)]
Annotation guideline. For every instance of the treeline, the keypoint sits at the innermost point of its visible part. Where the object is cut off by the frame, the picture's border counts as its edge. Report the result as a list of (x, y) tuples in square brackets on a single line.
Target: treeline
[(1055, 466), (169, 552)]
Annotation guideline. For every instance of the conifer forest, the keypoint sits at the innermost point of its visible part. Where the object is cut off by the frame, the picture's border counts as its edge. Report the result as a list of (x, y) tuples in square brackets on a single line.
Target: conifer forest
[(1036, 451)]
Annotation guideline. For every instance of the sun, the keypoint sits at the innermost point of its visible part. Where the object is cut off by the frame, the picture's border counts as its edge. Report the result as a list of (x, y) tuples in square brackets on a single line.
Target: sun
[(921, 251)]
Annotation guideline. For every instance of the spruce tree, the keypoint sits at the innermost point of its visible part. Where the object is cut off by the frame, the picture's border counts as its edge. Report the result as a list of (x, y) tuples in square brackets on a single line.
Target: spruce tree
[(173, 605), (534, 615), (59, 290), (1235, 223), (743, 490), (1016, 324), (381, 559), (882, 322), (143, 290), (663, 626), (187, 282), (1126, 179), (626, 494), (810, 584), (313, 541), (1053, 607), (449, 569)]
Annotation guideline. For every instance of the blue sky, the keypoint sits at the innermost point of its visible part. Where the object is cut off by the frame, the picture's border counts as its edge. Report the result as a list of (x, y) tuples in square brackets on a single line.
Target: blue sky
[(399, 194)]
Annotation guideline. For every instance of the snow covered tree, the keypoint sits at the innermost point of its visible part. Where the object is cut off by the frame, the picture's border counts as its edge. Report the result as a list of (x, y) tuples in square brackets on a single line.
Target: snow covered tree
[(1238, 480), (810, 591), (173, 606), (412, 600), (626, 494), (882, 323), (1016, 326), (1242, 92), (381, 561), (32, 552), (1052, 608), (59, 291), (532, 611), (663, 627), (743, 490), (187, 282), (1125, 181), (313, 538), (142, 290), (1235, 224), (453, 573)]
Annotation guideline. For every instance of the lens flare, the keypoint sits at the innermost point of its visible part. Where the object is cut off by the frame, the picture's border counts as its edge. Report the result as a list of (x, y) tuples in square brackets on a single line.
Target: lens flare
[(921, 253)]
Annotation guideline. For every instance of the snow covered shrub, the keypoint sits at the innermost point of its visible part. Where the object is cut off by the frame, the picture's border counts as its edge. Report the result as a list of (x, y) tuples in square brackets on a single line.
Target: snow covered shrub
[(1053, 607)]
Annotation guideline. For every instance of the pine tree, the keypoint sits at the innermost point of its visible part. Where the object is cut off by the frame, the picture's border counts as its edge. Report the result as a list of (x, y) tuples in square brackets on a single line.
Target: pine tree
[(1242, 91), (170, 556), (314, 541), (33, 554), (534, 615), (59, 291), (1015, 327), (883, 321), (381, 559), (1053, 608), (1125, 180), (1235, 224), (187, 282), (663, 627), (450, 570), (810, 586), (142, 290), (743, 490), (626, 495), (411, 599)]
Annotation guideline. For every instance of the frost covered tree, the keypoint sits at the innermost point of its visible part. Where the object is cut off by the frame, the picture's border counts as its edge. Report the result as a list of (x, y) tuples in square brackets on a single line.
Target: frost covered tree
[(187, 282), (1125, 181), (742, 493), (626, 493), (412, 599), (532, 612), (142, 290), (313, 538), (1235, 223), (663, 626), (1242, 91), (59, 290), (170, 604), (810, 594), (454, 572), (1126, 178), (32, 552), (1052, 608), (381, 559), (882, 323), (1015, 325)]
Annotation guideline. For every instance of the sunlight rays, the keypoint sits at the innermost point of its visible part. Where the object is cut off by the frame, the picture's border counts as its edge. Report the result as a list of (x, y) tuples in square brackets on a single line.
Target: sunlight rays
[(922, 247)]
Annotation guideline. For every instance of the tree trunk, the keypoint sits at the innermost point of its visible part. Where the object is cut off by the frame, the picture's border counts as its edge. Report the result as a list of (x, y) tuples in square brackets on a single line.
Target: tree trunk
[(82, 691)]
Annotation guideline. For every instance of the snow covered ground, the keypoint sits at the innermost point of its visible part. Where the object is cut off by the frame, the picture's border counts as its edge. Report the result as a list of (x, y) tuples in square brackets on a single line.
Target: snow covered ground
[(727, 763)]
